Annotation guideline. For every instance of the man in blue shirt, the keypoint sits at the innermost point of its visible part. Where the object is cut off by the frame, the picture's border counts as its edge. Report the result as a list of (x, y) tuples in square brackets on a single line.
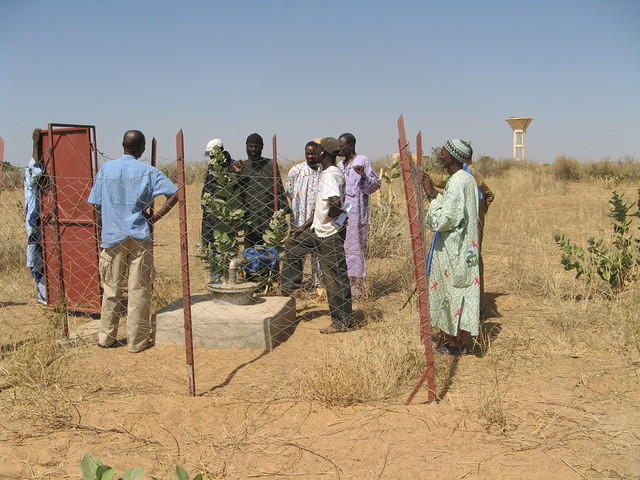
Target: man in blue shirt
[(122, 192)]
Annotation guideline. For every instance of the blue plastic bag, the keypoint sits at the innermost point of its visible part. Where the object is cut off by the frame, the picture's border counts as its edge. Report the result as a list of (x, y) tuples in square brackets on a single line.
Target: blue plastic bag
[(260, 258)]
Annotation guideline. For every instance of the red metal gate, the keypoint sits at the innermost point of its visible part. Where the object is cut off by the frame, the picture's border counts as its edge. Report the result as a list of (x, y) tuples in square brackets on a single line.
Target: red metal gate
[(69, 228)]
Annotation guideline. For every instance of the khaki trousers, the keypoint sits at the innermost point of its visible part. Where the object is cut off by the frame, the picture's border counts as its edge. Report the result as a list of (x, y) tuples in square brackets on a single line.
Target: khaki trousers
[(129, 263)]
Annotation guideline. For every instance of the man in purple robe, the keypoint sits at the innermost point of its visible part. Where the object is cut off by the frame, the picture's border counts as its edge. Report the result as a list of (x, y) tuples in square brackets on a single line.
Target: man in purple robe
[(360, 182)]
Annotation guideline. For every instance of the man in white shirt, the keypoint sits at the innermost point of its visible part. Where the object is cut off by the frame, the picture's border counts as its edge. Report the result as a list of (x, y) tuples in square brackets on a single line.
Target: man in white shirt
[(302, 188), (323, 234)]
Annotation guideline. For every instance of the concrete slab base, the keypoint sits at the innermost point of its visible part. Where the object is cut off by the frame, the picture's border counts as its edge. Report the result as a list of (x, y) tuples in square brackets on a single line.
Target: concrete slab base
[(263, 325)]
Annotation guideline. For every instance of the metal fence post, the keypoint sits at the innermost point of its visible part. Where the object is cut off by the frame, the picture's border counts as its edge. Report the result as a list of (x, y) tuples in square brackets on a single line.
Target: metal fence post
[(418, 248), (184, 254), (154, 145), (1, 164), (274, 167), (419, 150)]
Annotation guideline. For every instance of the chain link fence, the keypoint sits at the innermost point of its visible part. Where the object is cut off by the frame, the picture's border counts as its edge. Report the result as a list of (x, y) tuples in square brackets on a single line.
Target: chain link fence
[(262, 256)]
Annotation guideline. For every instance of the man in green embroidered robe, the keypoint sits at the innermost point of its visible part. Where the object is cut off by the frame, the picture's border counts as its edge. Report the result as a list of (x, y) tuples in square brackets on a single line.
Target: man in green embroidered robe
[(454, 276)]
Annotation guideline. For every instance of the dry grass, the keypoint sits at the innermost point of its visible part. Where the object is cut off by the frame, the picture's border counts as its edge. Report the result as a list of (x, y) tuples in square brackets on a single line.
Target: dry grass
[(523, 261), (547, 315), (375, 366), (36, 371), (12, 244)]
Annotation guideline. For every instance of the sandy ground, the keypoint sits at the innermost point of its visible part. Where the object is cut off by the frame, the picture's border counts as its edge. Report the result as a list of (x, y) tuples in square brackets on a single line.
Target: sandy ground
[(567, 416), (561, 411)]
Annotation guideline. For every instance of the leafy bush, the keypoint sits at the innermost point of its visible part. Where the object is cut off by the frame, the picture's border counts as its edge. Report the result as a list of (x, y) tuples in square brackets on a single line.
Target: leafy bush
[(567, 169), (490, 167), (94, 469), (226, 207), (614, 265)]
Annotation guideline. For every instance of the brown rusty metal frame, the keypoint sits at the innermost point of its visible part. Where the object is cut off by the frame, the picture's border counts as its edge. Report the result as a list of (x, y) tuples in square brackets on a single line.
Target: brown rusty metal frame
[(56, 222), (419, 150), (154, 145), (1, 164), (414, 210), (184, 254), (56, 229), (274, 167)]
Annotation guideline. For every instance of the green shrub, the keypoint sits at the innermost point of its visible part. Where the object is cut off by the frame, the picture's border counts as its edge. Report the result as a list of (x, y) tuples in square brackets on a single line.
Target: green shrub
[(94, 469), (614, 265)]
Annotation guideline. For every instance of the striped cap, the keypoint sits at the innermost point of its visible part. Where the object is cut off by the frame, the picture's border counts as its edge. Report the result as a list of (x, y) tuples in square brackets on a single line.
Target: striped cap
[(459, 149)]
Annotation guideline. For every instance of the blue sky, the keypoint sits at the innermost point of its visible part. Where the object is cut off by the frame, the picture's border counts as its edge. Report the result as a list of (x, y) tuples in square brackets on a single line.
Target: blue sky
[(307, 69)]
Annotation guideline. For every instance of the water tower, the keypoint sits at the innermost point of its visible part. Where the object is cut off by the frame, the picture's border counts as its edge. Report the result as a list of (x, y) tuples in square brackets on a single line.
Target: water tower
[(519, 125)]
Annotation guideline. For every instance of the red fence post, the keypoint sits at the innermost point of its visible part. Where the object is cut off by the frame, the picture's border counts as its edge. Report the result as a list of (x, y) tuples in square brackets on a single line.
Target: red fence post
[(184, 254), (274, 167), (418, 247), (154, 145), (58, 237), (419, 150), (1, 164)]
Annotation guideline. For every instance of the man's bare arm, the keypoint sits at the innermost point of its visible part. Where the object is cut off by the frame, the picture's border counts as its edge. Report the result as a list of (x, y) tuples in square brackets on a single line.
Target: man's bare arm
[(165, 208), (335, 207)]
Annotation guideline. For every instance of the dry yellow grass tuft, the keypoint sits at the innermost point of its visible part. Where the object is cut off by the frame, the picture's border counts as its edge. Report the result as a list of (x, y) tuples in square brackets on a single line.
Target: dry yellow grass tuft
[(37, 372), (376, 365)]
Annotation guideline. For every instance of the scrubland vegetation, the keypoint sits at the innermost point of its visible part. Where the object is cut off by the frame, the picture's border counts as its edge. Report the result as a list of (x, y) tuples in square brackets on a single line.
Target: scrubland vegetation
[(540, 317)]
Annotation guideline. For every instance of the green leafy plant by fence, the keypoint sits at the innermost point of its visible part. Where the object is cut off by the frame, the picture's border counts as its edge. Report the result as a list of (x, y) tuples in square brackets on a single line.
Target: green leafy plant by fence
[(94, 469), (227, 208), (614, 264)]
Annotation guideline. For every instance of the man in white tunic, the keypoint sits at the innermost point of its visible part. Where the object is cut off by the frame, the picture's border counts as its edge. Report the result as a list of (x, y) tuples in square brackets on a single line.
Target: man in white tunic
[(302, 188), (454, 277)]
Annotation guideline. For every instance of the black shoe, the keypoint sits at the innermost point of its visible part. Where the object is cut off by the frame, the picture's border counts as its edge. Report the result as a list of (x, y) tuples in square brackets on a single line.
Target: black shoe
[(116, 344)]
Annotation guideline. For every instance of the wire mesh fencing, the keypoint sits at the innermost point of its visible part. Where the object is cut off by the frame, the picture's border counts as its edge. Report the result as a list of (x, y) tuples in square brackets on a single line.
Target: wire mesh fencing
[(315, 296)]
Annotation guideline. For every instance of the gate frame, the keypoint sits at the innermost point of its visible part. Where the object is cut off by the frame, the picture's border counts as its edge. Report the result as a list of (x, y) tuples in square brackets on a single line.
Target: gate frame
[(52, 129)]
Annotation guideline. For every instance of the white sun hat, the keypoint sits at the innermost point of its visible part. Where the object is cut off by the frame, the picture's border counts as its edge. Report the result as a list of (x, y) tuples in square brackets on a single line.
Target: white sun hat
[(216, 142)]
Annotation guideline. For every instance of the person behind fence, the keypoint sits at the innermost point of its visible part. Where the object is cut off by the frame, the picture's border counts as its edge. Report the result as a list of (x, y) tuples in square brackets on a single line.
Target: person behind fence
[(33, 182), (301, 188), (361, 181), (454, 276), (209, 218), (256, 186), (485, 198), (122, 192), (323, 234)]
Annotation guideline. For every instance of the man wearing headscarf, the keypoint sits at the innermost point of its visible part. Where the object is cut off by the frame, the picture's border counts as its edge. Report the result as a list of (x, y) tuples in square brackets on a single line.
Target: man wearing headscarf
[(256, 185), (485, 198), (453, 272)]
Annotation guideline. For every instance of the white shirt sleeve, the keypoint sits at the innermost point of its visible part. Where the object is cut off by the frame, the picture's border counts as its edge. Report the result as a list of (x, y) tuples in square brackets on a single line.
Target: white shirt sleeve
[(330, 186)]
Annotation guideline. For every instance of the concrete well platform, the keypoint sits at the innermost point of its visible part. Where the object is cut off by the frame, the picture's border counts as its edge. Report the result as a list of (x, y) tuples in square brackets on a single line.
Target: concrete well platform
[(263, 325)]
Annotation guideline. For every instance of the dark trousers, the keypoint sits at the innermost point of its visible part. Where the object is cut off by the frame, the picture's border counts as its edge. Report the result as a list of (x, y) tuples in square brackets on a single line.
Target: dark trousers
[(330, 251)]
